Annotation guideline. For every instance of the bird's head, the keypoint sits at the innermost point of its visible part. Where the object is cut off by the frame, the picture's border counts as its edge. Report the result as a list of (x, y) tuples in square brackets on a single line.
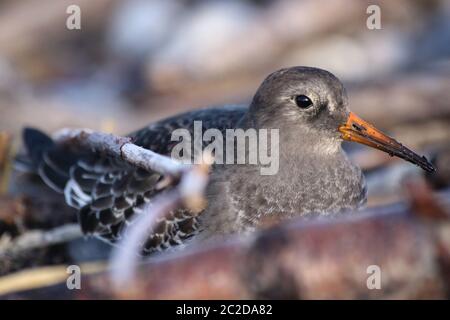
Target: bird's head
[(312, 102)]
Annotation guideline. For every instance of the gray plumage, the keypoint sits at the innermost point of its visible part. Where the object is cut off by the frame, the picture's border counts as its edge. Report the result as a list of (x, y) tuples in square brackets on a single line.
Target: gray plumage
[(314, 177)]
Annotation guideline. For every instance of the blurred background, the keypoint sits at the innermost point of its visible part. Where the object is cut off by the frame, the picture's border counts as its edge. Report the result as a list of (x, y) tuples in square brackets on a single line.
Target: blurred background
[(136, 61)]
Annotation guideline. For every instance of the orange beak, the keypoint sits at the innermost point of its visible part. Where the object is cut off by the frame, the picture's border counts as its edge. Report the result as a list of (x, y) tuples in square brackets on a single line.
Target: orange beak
[(358, 130)]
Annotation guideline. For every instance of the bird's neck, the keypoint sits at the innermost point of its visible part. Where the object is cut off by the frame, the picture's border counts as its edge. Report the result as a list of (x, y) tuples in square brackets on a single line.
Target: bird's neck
[(242, 199), (311, 181)]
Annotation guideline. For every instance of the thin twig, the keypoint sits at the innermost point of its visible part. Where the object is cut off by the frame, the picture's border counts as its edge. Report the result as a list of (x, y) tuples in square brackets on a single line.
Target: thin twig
[(123, 148), (39, 239)]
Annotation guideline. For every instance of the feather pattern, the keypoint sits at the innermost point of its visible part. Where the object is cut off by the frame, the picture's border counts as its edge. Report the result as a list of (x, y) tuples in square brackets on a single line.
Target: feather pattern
[(109, 192)]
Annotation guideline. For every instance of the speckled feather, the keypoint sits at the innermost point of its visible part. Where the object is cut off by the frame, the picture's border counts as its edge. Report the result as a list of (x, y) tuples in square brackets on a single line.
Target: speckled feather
[(109, 192)]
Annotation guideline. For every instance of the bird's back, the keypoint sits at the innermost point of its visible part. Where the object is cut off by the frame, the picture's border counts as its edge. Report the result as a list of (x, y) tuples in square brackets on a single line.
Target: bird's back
[(107, 191)]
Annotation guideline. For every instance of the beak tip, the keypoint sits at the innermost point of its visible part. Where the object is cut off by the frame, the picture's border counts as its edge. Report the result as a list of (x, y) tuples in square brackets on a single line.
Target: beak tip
[(432, 169), (429, 167)]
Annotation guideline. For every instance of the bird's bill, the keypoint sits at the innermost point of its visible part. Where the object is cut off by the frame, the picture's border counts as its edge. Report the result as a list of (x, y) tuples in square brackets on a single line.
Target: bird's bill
[(358, 130)]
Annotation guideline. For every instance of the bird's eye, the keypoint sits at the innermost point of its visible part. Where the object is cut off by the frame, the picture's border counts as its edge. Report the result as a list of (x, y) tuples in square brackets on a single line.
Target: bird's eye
[(303, 101)]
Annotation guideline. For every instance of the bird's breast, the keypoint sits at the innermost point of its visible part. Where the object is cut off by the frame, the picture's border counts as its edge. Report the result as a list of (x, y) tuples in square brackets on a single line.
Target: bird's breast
[(243, 199)]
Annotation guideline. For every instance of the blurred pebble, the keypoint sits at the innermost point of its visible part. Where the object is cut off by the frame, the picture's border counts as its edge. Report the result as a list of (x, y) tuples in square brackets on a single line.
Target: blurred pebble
[(139, 27), (205, 37)]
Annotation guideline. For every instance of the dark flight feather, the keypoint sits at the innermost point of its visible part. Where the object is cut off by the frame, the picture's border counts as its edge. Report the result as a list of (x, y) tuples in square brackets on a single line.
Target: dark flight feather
[(109, 192)]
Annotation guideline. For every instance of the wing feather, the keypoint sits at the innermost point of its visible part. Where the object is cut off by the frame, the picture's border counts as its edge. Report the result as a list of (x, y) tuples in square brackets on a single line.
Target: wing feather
[(109, 192)]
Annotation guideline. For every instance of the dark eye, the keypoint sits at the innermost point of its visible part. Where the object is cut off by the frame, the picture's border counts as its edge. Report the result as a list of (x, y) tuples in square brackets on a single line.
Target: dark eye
[(303, 101)]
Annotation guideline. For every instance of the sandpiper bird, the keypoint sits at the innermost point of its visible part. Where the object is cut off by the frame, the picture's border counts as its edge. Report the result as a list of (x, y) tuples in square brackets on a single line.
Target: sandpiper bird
[(309, 108)]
